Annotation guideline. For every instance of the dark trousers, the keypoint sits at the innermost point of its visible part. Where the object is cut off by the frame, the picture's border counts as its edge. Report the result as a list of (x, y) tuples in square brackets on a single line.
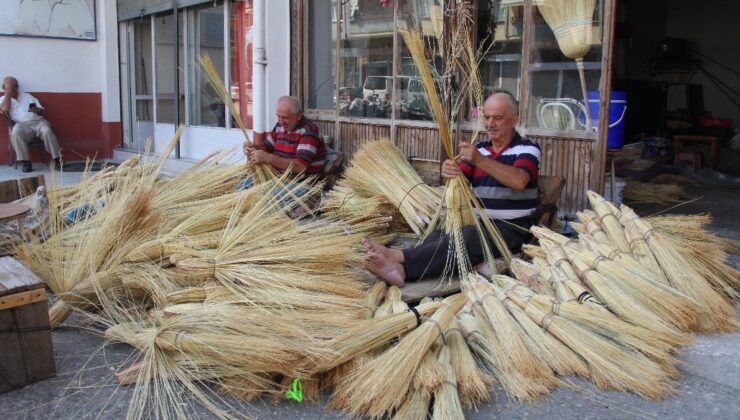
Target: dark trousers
[(428, 259)]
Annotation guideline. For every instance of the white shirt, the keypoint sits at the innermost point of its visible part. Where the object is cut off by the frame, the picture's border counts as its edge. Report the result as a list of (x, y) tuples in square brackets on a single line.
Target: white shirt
[(19, 107)]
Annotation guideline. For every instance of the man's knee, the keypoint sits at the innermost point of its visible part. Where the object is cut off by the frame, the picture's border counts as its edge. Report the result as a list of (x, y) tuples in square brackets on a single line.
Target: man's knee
[(45, 130)]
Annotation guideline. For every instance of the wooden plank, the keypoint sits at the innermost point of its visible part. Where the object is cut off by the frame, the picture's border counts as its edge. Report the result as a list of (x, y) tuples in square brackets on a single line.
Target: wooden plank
[(11, 282), (27, 186), (413, 292), (35, 340), (23, 298), (9, 191), (12, 368), (22, 272)]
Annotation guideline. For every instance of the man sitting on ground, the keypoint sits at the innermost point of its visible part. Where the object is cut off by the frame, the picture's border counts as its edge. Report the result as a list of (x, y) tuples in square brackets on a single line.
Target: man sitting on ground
[(28, 115), (293, 143), (503, 172)]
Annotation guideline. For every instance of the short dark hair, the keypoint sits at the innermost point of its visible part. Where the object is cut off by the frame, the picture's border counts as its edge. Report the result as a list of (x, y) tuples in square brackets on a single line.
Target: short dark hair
[(514, 101)]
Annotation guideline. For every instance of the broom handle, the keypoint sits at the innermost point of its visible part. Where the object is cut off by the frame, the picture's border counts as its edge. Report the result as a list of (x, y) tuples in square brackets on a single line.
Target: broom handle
[(582, 74)]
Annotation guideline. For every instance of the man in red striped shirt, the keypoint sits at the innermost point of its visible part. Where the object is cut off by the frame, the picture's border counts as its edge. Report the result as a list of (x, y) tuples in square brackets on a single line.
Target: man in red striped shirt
[(293, 143)]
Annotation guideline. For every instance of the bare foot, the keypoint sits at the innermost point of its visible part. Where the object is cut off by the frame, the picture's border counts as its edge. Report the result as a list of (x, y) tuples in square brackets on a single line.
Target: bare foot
[(389, 271), (393, 255)]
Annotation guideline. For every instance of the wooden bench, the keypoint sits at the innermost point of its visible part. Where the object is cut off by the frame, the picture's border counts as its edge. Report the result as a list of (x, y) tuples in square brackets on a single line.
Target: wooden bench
[(26, 352)]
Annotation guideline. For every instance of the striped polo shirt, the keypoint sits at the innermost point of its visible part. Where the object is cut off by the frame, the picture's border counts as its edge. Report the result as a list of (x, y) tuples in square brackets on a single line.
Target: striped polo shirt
[(502, 202), (302, 144)]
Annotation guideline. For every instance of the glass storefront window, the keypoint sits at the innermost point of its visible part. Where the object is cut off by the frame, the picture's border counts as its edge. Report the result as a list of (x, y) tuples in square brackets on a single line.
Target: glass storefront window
[(556, 97), (425, 16), (207, 37), (500, 26), (366, 59), (240, 38), (321, 58), (142, 63), (164, 27)]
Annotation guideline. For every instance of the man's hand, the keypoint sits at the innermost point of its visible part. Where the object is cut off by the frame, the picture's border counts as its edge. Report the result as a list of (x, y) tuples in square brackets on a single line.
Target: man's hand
[(469, 153), (247, 148), (259, 156), (450, 169)]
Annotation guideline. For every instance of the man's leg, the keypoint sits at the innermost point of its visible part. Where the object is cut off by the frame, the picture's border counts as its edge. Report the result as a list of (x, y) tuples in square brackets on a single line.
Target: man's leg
[(427, 259), (19, 138), (44, 132)]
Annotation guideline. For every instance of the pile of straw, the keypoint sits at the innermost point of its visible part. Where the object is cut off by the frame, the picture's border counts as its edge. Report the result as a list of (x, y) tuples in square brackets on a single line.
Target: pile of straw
[(365, 188), (648, 192)]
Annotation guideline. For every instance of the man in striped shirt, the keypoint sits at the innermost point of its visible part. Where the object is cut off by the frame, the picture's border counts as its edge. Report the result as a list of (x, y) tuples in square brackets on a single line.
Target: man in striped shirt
[(293, 143), (503, 172)]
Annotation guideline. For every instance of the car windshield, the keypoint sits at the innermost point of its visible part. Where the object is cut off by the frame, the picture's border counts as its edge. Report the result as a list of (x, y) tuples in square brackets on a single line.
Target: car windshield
[(375, 83)]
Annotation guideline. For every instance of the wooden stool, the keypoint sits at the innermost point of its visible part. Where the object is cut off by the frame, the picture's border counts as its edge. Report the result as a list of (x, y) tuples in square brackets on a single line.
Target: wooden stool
[(25, 346), (691, 156), (679, 141), (12, 211)]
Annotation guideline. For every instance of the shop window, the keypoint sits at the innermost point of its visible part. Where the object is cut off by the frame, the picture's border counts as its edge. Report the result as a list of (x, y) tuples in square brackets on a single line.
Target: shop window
[(321, 57), (556, 97), (207, 37), (164, 27), (142, 63), (240, 40), (500, 25)]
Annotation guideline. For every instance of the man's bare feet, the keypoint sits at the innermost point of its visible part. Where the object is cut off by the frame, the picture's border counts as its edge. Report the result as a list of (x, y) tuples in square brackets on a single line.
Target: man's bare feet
[(392, 255), (389, 271)]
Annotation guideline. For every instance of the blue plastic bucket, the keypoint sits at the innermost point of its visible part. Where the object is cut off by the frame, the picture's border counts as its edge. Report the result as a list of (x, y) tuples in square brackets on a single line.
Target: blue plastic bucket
[(617, 110)]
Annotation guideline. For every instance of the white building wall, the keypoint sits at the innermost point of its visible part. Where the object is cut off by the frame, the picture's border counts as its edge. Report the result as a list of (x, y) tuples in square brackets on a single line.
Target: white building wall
[(277, 48)]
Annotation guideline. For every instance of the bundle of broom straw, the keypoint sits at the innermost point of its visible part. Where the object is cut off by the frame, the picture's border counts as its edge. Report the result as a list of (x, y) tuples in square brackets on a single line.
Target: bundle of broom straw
[(405, 191)]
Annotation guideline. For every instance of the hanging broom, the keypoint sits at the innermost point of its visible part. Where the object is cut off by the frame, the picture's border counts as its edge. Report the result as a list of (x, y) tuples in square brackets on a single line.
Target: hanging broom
[(571, 22)]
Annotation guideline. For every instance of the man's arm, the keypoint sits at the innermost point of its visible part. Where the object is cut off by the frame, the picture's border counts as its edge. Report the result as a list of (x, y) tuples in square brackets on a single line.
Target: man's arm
[(510, 176)]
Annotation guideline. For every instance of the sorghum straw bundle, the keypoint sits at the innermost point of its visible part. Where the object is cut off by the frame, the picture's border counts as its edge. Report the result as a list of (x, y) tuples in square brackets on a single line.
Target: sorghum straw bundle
[(262, 172), (380, 386), (447, 403), (472, 383), (612, 366), (636, 299), (486, 345), (642, 252), (648, 192), (527, 274), (704, 251), (427, 378), (403, 189), (609, 221), (718, 315), (557, 356), (489, 309)]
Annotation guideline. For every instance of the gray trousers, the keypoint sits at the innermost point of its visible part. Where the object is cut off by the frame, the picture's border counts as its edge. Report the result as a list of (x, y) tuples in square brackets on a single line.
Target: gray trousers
[(25, 131)]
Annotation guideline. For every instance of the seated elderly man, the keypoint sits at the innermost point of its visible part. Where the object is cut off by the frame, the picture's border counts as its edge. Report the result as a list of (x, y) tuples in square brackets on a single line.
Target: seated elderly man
[(293, 143), (503, 172), (28, 115)]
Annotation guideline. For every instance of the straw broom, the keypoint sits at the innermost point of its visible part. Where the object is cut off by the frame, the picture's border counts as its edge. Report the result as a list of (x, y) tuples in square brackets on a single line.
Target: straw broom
[(719, 315), (472, 383), (262, 172), (702, 250), (447, 403), (642, 252), (636, 299), (557, 356), (571, 22), (612, 366), (427, 378), (487, 347), (491, 310), (626, 260), (381, 385), (527, 274), (608, 219)]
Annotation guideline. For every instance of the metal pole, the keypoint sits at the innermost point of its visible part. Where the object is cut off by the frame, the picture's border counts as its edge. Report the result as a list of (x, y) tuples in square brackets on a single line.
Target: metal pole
[(177, 73)]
